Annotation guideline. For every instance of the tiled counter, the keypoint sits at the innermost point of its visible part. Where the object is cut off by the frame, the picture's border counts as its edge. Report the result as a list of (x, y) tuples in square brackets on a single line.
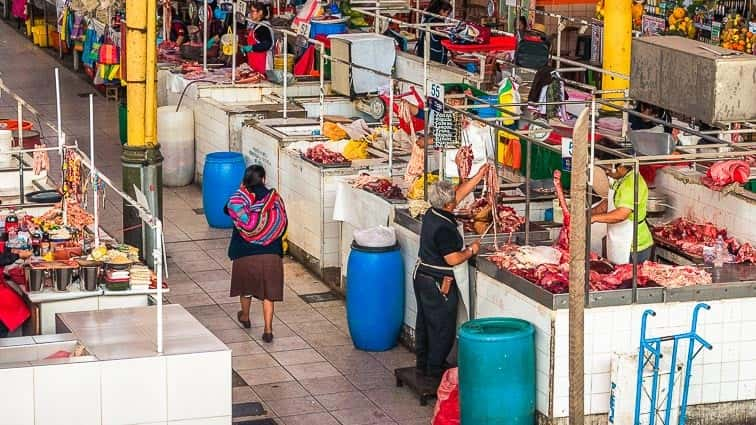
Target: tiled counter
[(723, 379), (121, 380)]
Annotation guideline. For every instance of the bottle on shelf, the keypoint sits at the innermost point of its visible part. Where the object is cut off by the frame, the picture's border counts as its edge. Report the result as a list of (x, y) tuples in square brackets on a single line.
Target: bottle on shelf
[(720, 252), (11, 225)]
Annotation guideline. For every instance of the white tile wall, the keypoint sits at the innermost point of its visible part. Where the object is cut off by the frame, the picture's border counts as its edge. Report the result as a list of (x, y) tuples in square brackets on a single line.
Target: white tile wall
[(697, 201), (17, 396), (185, 374), (127, 398), (75, 402)]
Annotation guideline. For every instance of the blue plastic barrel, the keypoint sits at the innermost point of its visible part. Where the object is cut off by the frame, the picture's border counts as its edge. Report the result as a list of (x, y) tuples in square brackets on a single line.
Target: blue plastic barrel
[(327, 27), (375, 297), (221, 176), (497, 376)]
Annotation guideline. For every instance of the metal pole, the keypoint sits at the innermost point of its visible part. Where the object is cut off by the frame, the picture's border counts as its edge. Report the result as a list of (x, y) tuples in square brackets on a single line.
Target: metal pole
[(577, 247), (322, 86), (204, 43), (57, 103), (20, 155), (634, 217), (559, 41), (428, 125), (158, 260), (233, 43), (93, 172), (391, 130), (285, 73)]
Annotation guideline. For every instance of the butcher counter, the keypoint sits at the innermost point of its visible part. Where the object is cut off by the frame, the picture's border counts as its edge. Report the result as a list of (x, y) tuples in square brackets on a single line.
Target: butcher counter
[(725, 374)]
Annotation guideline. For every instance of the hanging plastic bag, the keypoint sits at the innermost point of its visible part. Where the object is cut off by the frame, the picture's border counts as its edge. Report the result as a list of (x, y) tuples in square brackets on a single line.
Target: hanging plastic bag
[(375, 237), (227, 43)]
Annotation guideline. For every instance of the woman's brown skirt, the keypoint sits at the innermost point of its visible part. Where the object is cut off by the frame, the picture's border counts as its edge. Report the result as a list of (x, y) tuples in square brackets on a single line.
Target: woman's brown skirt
[(260, 276)]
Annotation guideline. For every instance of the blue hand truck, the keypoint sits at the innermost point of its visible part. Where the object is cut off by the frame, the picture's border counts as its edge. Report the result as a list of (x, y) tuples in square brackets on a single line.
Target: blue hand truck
[(651, 354)]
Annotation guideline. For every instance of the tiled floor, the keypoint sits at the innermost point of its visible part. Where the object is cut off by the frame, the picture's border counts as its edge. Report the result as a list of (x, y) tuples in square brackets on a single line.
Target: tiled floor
[(311, 374)]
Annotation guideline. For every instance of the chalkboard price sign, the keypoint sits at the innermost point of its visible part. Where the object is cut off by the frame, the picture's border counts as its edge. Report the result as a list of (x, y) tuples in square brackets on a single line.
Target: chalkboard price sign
[(446, 130)]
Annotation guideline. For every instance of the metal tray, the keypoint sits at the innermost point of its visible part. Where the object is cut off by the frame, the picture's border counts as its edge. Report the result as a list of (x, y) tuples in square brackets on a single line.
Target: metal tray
[(617, 297), (729, 281)]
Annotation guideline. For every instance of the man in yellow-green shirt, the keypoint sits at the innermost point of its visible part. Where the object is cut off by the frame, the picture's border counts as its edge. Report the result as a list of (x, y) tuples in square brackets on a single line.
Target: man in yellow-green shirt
[(618, 212)]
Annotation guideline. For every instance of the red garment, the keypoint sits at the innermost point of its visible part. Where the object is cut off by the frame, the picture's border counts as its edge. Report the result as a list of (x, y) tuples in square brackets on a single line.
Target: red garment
[(258, 61), (447, 410), (306, 63), (13, 309), (18, 9)]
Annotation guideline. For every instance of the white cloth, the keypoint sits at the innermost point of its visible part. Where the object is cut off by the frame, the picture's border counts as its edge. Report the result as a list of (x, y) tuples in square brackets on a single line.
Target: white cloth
[(481, 139), (619, 237), (598, 231), (462, 278), (360, 208)]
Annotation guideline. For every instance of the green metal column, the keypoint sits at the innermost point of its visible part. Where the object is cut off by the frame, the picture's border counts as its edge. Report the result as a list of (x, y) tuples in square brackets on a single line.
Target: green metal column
[(143, 169)]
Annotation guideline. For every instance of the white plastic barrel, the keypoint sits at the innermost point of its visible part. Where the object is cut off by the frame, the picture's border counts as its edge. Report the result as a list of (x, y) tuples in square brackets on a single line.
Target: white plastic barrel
[(175, 132), (6, 141)]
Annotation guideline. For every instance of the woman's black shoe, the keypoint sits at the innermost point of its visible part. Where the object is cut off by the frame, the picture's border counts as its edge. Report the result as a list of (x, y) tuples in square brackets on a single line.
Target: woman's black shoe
[(246, 323), (267, 337)]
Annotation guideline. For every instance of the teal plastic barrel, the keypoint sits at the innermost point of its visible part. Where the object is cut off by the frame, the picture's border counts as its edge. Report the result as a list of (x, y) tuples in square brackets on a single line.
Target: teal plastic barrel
[(375, 297), (221, 176), (497, 376)]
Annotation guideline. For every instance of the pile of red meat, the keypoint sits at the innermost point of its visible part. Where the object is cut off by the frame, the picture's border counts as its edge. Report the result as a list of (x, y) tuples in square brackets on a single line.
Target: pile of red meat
[(321, 155), (380, 186), (691, 238), (192, 70), (724, 173), (554, 277)]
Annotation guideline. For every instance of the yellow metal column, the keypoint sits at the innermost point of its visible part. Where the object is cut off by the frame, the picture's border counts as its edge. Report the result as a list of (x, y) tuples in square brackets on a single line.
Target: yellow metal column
[(141, 158), (618, 26), (136, 70)]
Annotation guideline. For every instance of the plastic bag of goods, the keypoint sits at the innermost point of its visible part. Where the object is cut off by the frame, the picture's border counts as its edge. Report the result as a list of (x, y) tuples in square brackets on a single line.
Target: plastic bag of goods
[(375, 237)]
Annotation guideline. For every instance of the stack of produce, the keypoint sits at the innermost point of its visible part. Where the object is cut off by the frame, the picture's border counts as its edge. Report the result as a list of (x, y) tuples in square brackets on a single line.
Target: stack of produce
[(736, 35), (139, 277), (681, 24)]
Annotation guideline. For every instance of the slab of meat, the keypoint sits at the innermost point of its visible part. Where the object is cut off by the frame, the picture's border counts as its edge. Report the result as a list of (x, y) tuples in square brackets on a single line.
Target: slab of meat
[(508, 221), (675, 276), (724, 173), (492, 194), (380, 186), (321, 155), (464, 161), (746, 254)]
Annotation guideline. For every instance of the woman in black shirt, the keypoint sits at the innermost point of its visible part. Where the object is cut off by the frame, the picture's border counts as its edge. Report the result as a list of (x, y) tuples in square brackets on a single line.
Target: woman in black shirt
[(441, 248)]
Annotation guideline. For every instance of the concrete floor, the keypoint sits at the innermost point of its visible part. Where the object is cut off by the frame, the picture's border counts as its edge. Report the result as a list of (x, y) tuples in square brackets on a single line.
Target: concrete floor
[(311, 374)]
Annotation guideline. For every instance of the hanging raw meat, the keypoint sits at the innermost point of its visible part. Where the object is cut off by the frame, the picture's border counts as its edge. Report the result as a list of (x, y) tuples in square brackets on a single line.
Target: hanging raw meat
[(464, 161), (492, 192), (563, 241)]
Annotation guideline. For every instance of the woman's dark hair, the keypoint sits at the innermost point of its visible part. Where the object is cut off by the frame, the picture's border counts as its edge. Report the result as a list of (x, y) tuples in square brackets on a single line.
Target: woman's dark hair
[(524, 21), (254, 175), (258, 5), (438, 6)]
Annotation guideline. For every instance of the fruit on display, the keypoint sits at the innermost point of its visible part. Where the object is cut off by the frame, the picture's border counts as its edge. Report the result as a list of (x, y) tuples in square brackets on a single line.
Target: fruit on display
[(736, 36), (600, 10), (637, 11), (681, 24)]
